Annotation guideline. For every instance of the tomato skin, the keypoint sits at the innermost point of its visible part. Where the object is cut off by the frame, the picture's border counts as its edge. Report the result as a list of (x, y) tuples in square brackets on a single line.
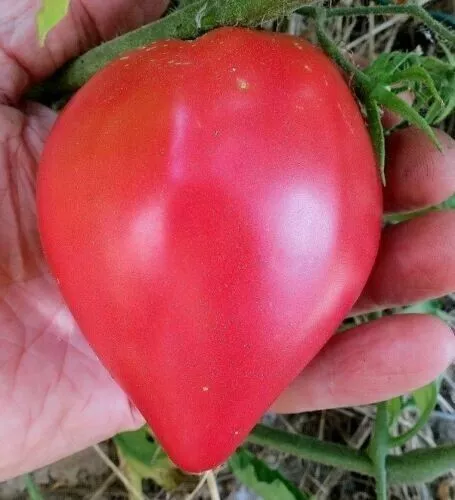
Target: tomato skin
[(211, 210)]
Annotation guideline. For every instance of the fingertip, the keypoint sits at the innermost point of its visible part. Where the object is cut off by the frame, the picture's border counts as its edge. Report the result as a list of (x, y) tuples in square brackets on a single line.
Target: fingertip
[(442, 339), (374, 362), (418, 174)]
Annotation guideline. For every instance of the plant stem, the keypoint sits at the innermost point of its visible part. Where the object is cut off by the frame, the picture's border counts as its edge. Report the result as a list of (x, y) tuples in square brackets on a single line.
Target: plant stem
[(421, 465), (376, 132), (313, 449), (331, 49), (413, 467), (378, 450), (448, 204), (32, 489)]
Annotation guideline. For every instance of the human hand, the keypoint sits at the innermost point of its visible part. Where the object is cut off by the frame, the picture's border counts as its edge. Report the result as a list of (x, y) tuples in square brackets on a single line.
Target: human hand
[(55, 396)]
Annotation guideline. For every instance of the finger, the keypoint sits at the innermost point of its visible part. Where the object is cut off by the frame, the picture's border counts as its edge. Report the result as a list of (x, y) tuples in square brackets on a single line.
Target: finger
[(418, 174), (415, 262), (24, 61), (371, 363)]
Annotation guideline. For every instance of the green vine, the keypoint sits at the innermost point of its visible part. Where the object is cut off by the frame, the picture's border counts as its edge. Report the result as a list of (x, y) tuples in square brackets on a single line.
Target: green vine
[(411, 467), (313, 449), (378, 450), (376, 132)]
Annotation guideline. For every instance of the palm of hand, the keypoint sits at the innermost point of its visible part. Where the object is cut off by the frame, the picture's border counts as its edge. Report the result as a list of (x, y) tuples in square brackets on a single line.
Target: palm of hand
[(55, 396)]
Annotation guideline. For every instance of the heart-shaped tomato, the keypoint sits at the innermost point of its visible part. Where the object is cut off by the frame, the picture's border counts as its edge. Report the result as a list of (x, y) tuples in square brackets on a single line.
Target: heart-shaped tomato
[(211, 210)]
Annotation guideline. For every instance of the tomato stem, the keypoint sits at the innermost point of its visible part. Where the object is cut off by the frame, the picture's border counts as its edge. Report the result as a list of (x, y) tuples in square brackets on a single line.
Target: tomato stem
[(378, 450), (361, 81), (334, 52), (313, 449), (376, 132), (412, 467)]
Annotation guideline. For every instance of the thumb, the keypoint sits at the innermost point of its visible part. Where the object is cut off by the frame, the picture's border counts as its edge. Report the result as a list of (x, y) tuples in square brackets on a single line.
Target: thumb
[(24, 61)]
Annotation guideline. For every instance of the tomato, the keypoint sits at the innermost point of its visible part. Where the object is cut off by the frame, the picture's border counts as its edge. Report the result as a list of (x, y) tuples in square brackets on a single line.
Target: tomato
[(211, 210)]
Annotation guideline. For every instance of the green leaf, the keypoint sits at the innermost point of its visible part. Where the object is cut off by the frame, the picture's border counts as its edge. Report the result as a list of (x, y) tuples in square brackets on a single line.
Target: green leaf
[(397, 105), (260, 478), (138, 445), (425, 398), (431, 80), (145, 459), (50, 14), (417, 74), (443, 76)]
